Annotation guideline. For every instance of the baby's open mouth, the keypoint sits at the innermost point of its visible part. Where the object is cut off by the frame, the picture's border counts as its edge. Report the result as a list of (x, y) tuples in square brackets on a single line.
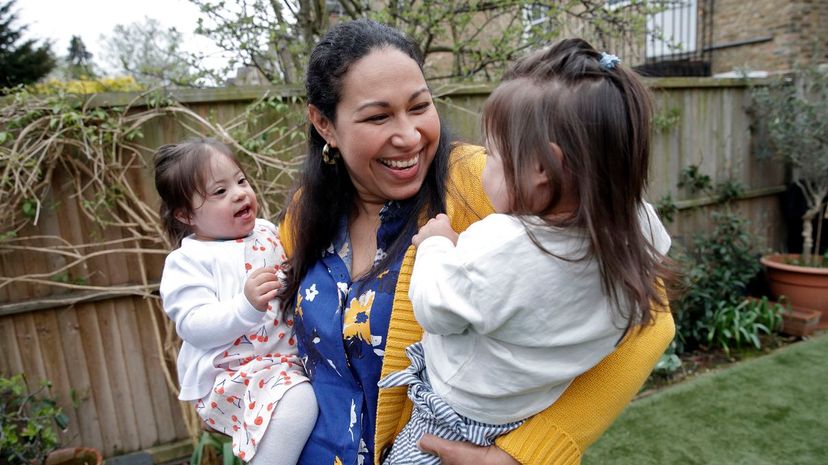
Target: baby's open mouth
[(243, 211)]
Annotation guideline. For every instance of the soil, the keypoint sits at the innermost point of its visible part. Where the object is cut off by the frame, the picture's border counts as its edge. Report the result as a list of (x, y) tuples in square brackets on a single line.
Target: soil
[(707, 360)]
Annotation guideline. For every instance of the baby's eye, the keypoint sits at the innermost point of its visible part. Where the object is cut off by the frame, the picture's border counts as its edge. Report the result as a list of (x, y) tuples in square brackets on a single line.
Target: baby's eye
[(242, 181), (219, 191)]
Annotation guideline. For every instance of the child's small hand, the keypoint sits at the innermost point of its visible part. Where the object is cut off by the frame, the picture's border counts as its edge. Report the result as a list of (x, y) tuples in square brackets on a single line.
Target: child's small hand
[(261, 287), (437, 226)]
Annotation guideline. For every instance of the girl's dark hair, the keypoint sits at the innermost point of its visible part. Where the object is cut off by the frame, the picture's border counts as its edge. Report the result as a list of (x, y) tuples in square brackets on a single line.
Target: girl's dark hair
[(599, 117), (180, 171), (325, 193)]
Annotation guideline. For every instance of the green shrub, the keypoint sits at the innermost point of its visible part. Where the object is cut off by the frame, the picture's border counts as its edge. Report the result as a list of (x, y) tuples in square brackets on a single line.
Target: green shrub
[(736, 326), (717, 267), (30, 423)]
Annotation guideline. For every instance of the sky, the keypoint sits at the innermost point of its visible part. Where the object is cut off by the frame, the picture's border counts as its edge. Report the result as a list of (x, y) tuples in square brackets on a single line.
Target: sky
[(59, 20)]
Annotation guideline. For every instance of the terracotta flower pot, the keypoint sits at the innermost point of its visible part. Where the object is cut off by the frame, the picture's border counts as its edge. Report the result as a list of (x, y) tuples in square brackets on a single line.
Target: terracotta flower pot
[(803, 286), (75, 456)]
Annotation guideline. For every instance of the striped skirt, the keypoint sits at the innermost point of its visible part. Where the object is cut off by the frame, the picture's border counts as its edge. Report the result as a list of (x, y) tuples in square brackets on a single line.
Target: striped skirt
[(431, 414)]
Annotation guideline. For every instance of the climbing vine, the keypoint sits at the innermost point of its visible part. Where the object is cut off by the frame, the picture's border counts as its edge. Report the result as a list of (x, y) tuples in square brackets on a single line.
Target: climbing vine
[(60, 148)]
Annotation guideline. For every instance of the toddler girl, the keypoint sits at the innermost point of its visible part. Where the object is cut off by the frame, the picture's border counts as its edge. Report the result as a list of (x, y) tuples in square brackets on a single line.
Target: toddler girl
[(238, 362), (530, 297)]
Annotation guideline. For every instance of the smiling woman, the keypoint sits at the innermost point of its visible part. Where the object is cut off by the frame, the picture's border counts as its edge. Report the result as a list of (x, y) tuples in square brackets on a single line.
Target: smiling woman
[(386, 128), (379, 164)]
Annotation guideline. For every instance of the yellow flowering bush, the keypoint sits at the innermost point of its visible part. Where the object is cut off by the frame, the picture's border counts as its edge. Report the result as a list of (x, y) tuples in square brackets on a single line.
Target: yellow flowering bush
[(88, 86)]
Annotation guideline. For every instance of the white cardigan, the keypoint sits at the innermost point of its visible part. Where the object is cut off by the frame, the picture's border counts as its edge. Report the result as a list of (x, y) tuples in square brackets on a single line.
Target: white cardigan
[(508, 327), (202, 289)]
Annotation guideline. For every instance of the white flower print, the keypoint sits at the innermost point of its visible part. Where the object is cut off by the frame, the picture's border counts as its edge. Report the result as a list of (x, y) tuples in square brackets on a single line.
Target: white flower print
[(376, 341), (353, 419), (311, 293), (362, 452)]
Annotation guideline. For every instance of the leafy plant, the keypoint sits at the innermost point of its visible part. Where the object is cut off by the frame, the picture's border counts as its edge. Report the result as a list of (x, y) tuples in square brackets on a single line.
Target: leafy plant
[(717, 266), (30, 422), (734, 326), (792, 113)]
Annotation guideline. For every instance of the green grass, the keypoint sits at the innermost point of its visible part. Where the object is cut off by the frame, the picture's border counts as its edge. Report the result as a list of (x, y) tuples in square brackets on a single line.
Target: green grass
[(767, 411)]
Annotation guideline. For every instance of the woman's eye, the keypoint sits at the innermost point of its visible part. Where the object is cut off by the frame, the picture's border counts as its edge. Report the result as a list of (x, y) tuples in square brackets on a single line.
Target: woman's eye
[(421, 107), (376, 118)]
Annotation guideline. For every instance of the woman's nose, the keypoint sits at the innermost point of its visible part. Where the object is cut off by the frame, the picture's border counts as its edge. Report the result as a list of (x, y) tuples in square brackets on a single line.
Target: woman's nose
[(406, 134)]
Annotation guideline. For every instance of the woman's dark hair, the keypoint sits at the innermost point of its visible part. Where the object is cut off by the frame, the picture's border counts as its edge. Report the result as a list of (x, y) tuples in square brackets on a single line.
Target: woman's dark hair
[(324, 192), (599, 117), (180, 171)]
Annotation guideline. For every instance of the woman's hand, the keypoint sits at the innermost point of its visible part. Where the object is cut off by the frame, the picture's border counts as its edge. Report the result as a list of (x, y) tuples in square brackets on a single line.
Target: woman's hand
[(440, 225), (261, 287), (464, 453)]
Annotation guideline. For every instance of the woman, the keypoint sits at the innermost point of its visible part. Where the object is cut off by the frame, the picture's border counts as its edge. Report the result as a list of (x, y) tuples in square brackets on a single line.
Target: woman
[(379, 162)]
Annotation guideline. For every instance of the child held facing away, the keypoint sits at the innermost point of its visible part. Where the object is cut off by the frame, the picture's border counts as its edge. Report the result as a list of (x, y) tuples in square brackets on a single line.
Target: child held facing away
[(530, 297), (238, 361)]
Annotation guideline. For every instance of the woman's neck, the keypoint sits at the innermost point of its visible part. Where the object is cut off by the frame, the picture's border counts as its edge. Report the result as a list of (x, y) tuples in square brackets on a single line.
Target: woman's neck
[(362, 229)]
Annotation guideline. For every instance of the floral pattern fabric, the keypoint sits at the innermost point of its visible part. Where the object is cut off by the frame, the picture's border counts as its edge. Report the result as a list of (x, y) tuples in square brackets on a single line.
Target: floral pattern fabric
[(341, 327)]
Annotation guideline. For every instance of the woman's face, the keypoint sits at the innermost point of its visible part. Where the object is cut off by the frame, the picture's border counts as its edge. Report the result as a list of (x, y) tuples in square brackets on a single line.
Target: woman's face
[(386, 127)]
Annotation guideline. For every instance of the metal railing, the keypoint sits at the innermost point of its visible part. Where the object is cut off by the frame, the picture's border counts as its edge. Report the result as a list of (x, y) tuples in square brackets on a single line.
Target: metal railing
[(679, 39)]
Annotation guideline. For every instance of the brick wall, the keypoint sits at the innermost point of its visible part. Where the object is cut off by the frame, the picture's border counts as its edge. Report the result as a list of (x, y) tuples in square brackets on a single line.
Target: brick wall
[(793, 26)]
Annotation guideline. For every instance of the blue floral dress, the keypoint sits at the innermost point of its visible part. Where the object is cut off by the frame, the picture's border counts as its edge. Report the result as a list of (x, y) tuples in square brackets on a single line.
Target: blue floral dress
[(341, 327)]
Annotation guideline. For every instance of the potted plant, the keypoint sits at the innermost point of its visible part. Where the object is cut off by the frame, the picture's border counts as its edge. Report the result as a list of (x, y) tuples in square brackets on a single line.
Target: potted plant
[(793, 113), (31, 425)]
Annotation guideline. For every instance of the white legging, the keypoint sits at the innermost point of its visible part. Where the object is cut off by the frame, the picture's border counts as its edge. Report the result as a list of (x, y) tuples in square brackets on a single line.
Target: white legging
[(289, 428)]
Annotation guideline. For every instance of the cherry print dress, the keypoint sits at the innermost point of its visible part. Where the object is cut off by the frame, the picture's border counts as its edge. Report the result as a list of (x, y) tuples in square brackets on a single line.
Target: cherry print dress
[(259, 366)]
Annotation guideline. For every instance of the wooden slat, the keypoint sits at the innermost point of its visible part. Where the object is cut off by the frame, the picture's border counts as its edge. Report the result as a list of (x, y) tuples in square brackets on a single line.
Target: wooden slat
[(118, 379), (158, 389), (49, 340), (73, 353), (29, 350), (12, 362), (98, 356), (141, 401)]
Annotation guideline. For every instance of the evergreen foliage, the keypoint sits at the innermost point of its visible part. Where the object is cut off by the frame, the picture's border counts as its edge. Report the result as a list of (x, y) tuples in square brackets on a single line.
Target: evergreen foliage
[(21, 61)]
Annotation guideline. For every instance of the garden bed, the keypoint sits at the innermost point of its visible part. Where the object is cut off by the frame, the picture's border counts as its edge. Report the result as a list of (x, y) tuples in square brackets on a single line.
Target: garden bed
[(704, 361)]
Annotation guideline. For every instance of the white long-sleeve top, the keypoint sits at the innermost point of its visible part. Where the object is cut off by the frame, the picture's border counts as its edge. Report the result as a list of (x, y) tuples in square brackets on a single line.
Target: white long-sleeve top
[(507, 326), (202, 290)]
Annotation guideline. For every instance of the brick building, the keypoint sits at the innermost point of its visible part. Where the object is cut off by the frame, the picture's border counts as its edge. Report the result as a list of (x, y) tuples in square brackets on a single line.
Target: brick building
[(733, 35)]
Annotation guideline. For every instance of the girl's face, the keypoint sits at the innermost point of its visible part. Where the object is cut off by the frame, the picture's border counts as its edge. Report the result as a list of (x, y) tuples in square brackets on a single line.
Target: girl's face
[(228, 211), (386, 127), (494, 181)]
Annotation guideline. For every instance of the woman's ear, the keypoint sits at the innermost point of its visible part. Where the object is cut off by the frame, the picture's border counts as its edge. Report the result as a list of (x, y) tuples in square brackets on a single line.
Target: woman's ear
[(323, 125)]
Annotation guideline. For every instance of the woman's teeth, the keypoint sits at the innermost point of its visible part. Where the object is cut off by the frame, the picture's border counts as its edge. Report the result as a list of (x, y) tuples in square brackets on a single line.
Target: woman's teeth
[(401, 164)]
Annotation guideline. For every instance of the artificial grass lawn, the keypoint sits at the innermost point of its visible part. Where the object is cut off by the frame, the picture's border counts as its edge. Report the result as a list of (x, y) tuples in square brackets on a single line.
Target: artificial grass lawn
[(767, 411)]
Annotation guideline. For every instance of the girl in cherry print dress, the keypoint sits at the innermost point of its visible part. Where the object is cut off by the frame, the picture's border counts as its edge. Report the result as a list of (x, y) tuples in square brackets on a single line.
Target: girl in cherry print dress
[(238, 361)]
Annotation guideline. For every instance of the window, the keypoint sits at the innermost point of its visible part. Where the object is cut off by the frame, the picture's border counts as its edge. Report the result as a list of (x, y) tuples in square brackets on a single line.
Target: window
[(673, 31)]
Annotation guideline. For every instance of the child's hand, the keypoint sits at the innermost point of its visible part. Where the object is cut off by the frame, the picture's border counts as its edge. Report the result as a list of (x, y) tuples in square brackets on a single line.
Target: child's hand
[(261, 287), (437, 226)]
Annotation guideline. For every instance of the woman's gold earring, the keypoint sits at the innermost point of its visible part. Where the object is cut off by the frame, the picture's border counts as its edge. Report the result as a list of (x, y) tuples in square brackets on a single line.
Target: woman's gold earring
[(326, 155)]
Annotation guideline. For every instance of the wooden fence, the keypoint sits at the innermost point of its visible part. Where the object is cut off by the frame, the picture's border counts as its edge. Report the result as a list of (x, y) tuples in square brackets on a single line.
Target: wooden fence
[(103, 353)]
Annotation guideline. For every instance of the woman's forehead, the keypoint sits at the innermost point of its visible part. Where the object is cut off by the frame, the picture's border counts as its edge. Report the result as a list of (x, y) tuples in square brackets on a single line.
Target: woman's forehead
[(384, 74)]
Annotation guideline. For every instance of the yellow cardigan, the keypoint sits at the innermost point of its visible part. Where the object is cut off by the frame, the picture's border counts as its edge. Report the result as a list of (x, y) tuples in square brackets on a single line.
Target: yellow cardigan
[(559, 434)]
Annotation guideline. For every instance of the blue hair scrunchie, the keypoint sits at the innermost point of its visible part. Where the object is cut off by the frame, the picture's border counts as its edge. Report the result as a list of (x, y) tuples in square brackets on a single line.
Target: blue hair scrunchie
[(609, 61)]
